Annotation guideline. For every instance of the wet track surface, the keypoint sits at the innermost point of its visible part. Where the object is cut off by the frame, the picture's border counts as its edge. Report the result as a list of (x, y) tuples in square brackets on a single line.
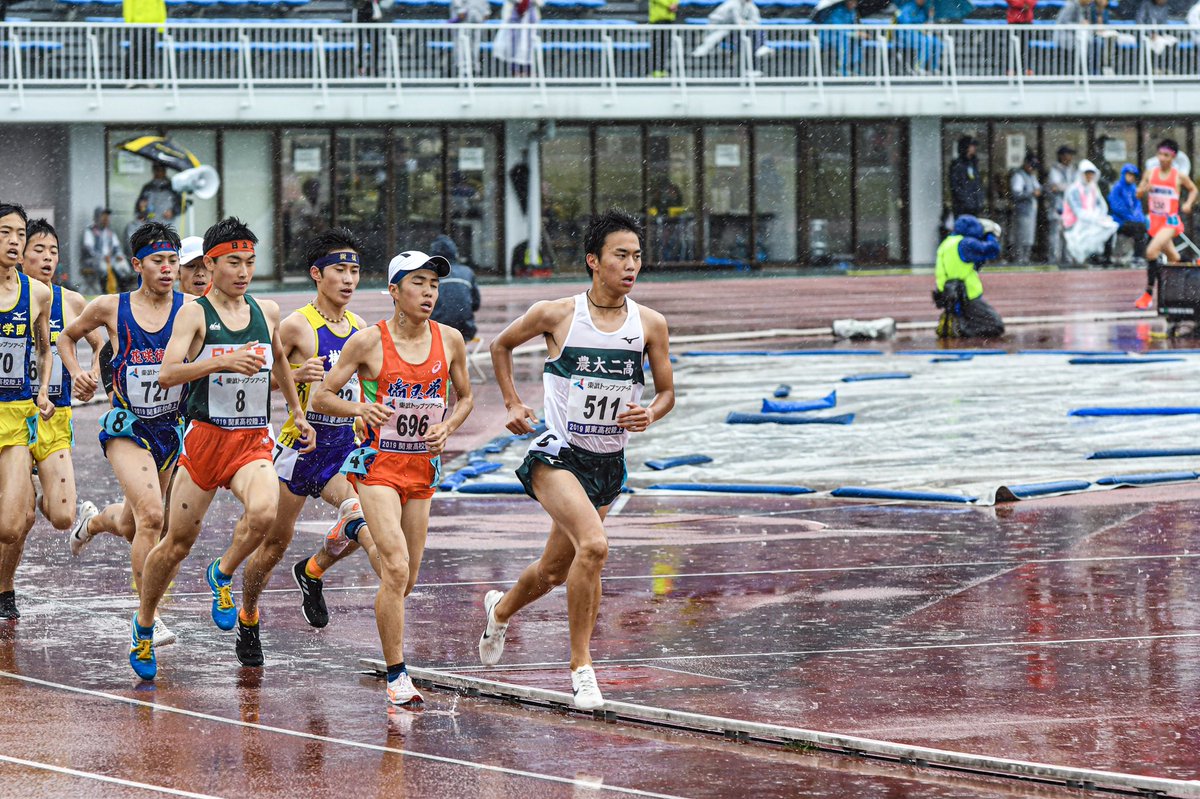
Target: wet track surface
[(1063, 631)]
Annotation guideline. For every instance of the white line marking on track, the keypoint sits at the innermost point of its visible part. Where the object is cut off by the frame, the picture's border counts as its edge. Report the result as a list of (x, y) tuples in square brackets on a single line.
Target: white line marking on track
[(589, 784), (1005, 564), (103, 778), (847, 651)]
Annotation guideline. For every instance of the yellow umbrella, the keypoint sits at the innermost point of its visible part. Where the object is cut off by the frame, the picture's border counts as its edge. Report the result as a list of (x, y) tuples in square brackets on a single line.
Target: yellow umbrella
[(161, 151)]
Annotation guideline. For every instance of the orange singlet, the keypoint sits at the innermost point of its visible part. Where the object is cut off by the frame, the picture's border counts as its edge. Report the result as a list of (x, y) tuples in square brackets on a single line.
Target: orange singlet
[(416, 395), (1164, 201)]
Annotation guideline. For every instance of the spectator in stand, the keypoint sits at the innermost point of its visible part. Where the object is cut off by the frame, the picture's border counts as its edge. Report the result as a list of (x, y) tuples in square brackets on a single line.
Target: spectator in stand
[(1156, 14), (472, 12), (846, 47), (514, 40), (926, 46), (1020, 12), (1061, 176), (142, 41), (1026, 189), (370, 44), (1126, 210), (966, 182), (662, 12), (735, 12), (458, 294)]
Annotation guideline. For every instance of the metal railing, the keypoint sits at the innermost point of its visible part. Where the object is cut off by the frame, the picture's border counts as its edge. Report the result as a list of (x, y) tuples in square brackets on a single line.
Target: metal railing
[(609, 57)]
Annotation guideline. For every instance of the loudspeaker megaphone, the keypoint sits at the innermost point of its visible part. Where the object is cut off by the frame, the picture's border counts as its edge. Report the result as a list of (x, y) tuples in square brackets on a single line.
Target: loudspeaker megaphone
[(202, 182)]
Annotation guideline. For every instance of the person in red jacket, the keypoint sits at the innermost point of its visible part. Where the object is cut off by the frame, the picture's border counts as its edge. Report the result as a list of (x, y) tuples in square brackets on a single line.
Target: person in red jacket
[(1020, 12)]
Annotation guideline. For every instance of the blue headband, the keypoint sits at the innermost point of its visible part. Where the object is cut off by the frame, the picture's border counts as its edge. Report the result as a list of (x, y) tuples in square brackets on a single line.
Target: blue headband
[(155, 246), (336, 258)]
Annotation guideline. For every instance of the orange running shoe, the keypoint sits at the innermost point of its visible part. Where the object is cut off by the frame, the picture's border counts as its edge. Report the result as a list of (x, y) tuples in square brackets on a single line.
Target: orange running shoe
[(1144, 301)]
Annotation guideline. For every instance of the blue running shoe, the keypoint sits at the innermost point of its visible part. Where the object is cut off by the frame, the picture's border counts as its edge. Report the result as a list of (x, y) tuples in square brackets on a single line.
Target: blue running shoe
[(141, 653), (224, 612)]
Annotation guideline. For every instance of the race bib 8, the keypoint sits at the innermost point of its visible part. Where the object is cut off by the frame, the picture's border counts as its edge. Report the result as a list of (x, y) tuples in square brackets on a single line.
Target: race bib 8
[(593, 405), (145, 396), (14, 353), (405, 429), (239, 400)]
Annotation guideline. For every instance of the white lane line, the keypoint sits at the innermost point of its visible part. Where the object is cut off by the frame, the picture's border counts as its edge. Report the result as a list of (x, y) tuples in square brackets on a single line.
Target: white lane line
[(338, 741), (845, 651), (103, 778), (1005, 564)]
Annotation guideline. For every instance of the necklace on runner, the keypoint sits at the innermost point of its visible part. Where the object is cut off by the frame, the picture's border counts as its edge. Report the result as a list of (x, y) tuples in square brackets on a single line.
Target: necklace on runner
[(606, 307), (327, 319)]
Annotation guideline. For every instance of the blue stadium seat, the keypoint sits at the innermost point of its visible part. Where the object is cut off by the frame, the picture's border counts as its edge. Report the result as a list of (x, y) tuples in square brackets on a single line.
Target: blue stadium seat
[(35, 44)]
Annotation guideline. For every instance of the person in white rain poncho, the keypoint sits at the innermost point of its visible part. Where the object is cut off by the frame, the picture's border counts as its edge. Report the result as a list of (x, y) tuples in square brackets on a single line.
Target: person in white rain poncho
[(733, 12), (514, 40), (1085, 216)]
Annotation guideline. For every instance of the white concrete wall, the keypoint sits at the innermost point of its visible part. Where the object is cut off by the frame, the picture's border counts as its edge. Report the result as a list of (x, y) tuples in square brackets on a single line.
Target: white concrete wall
[(926, 173)]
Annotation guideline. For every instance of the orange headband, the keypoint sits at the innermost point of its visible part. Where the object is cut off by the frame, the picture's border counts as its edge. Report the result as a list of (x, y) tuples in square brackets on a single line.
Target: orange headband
[(230, 246)]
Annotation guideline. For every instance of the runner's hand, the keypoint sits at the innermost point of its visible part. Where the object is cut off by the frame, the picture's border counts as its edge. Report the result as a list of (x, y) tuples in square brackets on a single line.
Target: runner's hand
[(634, 418), (244, 360), (84, 386), (436, 438), (1187, 208), (308, 436), (311, 371), (374, 413), (519, 418), (45, 406)]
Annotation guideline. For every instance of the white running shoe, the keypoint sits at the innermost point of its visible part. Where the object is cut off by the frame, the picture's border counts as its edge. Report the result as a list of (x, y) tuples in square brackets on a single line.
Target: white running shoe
[(402, 692), (80, 536), (162, 633), (587, 692), (491, 643)]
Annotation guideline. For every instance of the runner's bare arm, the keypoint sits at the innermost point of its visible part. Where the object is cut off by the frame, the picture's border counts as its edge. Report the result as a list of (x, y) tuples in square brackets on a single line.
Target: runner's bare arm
[(460, 378), (39, 318), (95, 315), (299, 345), (1144, 185), (658, 350), (354, 358), (542, 319), (1190, 202), (281, 372), (187, 337), (94, 339)]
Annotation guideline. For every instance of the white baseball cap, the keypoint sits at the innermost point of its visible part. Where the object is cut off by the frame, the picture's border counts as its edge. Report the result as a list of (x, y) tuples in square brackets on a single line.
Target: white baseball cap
[(191, 248), (412, 260)]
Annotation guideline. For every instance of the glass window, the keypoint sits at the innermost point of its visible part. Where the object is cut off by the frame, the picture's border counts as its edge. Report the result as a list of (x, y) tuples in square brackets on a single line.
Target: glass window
[(1115, 145), (361, 189), (727, 184), (304, 193), (619, 168), (199, 215), (775, 192), (671, 195), (417, 166), (877, 185), (567, 196), (248, 192), (127, 173), (828, 181), (474, 196)]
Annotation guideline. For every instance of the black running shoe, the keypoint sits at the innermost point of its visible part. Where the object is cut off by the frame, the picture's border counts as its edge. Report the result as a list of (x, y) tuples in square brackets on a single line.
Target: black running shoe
[(248, 646), (8, 605), (313, 605)]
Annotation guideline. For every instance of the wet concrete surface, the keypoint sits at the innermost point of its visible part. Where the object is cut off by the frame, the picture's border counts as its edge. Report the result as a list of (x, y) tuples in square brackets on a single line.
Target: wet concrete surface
[(1061, 631)]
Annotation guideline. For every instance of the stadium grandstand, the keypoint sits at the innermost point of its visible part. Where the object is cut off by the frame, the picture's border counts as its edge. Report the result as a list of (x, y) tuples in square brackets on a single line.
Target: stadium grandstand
[(798, 142)]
